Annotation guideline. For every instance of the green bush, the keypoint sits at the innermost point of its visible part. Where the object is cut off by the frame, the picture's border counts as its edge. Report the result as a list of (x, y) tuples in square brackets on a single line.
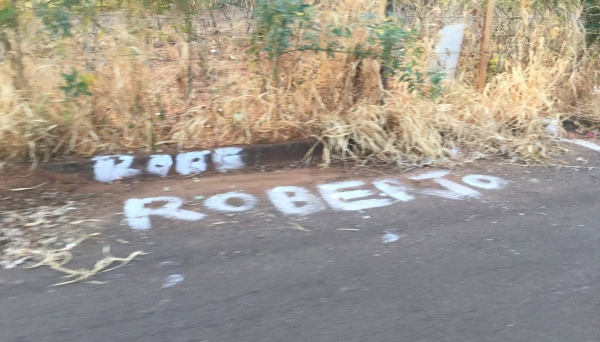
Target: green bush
[(285, 26)]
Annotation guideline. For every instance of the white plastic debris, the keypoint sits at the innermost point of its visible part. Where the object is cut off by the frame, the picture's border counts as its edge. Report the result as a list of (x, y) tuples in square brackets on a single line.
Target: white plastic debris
[(552, 130), (551, 127), (389, 237), (68, 246), (168, 263), (583, 143), (172, 280)]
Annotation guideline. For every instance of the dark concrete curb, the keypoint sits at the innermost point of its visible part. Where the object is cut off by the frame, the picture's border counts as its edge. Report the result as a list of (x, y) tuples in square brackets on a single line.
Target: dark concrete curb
[(251, 156)]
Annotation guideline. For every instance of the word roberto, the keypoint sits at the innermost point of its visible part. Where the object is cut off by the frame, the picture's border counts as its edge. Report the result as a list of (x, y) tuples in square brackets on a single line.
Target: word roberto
[(294, 200), (111, 168)]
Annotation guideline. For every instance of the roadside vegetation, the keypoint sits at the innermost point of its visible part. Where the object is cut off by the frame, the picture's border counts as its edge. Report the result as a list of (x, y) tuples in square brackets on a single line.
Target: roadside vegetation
[(83, 77)]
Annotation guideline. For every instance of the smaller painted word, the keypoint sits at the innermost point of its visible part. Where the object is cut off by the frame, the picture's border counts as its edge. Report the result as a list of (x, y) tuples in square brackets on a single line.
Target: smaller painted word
[(111, 168), (295, 200)]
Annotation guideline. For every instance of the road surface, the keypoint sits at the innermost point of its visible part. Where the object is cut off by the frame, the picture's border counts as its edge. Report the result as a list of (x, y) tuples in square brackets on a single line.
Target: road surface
[(520, 262)]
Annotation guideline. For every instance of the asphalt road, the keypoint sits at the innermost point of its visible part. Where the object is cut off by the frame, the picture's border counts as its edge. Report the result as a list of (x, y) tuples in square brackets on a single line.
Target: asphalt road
[(518, 264)]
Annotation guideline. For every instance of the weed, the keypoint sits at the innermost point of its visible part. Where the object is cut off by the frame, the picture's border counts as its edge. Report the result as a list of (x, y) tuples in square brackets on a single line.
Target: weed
[(357, 82), (75, 85)]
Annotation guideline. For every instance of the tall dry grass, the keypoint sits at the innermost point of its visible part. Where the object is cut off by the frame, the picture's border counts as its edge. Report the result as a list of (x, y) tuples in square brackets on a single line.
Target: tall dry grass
[(153, 90)]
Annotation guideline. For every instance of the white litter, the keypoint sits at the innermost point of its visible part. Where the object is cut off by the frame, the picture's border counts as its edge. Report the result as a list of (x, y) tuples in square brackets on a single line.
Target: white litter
[(583, 143), (552, 130), (172, 280), (389, 237)]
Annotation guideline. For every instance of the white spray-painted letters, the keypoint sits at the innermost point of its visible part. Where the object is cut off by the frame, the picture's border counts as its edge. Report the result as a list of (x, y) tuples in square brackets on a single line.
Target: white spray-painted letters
[(454, 190), (343, 200), (228, 158), (160, 165), (485, 182), (111, 168), (294, 200), (191, 162), (138, 215), (219, 202), (287, 199), (394, 189)]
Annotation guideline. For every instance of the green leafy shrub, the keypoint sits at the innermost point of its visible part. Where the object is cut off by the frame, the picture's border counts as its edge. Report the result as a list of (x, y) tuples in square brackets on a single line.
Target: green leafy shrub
[(76, 85), (286, 26)]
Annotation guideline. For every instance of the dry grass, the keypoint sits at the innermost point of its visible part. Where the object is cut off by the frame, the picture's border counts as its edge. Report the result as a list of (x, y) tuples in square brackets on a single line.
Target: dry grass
[(153, 90)]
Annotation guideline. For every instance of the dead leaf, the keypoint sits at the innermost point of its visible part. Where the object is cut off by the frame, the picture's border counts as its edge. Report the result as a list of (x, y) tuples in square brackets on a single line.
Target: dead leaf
[(299, 227), (34, 187), (57, 259), (32, 224), (82, 221)]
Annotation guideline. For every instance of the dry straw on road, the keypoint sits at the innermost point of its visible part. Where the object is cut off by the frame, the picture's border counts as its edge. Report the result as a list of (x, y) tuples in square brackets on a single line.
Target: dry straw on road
[(152, 90), (44, 235)]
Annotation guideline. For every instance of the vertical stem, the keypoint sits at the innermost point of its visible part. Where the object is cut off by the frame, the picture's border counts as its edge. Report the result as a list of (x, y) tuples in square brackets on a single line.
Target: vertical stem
[(212, 18), (389, 7), (14, 54), (383, 71), (190, 11), (250, 18), (485, 44)]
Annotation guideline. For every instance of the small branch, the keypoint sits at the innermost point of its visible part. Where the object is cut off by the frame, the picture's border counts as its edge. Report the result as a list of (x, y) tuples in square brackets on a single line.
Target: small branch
[(34, 187)]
